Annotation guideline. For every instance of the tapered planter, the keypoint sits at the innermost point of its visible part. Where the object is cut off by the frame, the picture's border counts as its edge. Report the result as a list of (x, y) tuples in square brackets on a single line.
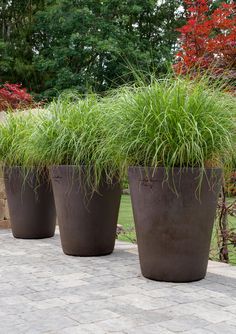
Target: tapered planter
[(174, 221), (31, 203), (87, 221)]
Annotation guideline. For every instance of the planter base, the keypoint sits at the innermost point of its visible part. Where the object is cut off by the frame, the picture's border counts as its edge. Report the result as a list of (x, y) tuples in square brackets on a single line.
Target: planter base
[(89, 254)]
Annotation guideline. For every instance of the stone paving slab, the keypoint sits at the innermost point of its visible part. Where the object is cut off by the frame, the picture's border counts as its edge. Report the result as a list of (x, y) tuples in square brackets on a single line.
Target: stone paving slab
[(43, 291)]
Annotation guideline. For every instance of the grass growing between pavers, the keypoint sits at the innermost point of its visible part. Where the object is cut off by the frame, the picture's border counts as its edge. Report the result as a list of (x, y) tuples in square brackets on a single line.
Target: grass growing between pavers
[(127, 222)]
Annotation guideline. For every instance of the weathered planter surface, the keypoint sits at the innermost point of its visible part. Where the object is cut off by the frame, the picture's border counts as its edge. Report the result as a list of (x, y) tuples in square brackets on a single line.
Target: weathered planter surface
[(87, 222), (31, 204), (174, 230)]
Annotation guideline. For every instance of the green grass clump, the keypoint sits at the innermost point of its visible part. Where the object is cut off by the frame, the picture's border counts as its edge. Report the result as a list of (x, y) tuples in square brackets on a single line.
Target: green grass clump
[(174, 122), (15, 132), (74, 132)]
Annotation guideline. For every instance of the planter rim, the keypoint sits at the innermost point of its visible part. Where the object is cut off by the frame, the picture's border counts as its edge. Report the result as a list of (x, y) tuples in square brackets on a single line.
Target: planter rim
[(55, 166), (174, 168), (23, 167), (67, 166), (8, 170), (14, 166)]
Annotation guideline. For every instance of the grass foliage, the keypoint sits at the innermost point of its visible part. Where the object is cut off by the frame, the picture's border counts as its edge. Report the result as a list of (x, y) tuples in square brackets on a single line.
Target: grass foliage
[(174, 122), (15, 132), (73, 131)]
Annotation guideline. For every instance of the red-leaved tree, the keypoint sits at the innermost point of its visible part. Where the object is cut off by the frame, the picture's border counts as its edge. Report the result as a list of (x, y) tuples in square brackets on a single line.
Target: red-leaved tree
[(208, 43), (208, 39), (13, 96)]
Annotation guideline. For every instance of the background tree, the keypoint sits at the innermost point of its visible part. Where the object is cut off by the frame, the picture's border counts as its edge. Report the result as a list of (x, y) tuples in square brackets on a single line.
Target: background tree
[(53, 45), (88, 43), (208, 39), (17, 19)]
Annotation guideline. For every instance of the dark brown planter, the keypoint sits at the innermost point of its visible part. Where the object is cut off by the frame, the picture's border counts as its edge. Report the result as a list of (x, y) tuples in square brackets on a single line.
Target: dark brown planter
[(87, 222), (174, 231), (31, 204)]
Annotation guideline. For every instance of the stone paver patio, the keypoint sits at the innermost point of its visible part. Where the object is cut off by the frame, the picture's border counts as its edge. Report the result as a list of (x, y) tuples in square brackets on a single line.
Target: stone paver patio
[(44, 291)]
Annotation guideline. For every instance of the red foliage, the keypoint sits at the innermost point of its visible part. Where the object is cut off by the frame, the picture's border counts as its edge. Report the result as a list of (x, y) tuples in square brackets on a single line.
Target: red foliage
[(208, 39), (13, 96)]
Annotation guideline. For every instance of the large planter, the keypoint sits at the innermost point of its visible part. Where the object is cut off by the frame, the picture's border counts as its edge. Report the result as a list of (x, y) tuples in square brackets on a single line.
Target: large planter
[(174, 221), (31, 203), (87, 221)]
